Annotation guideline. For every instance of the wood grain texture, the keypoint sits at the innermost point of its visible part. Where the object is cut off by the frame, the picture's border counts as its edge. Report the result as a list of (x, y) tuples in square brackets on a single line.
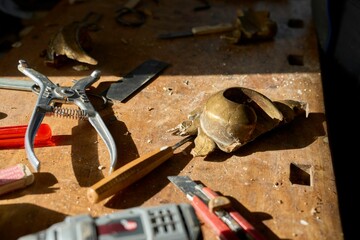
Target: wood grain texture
[(265, 179)]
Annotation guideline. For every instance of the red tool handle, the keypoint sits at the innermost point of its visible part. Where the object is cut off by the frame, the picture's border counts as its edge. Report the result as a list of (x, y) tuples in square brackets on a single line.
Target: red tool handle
[(14, 136), (248, 228), (219, 227)]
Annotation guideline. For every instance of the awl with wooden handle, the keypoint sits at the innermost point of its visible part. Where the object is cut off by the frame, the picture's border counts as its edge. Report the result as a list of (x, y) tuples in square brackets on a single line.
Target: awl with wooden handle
[(200, 30), (131, 172)]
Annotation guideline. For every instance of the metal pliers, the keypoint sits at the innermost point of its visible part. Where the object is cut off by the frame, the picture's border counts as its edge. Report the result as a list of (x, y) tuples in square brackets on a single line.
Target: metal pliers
[(51, 94)]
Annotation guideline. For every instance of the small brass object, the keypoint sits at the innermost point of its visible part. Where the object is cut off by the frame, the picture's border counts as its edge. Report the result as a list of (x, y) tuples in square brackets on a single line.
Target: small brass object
[(233, 117), (252, 26), (72, 41)]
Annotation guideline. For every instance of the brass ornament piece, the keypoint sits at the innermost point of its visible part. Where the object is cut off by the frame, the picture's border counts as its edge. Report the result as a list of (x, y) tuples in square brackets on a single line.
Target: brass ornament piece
[(252, 26), (73, 41), (235, 116)]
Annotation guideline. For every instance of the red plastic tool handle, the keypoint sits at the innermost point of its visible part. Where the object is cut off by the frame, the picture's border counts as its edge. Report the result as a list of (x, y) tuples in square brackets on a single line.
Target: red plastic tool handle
[(236, 215), (219, 227), (14, 136)]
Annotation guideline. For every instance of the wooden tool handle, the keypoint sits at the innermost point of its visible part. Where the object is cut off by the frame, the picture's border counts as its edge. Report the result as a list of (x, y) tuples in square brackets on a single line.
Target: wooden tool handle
[(128, 174), (223, 27), (15, 177)]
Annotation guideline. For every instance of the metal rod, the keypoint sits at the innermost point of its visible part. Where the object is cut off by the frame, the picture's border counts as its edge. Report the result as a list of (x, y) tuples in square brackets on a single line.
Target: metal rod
[(16, 84)]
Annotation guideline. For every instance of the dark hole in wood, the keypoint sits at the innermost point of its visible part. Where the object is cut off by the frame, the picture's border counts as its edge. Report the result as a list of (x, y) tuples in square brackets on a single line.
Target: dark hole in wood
[(296, 60), (300, 174), (296, 23)]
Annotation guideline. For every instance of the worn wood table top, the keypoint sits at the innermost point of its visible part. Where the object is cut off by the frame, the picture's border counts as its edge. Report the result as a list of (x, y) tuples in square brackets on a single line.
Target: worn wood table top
[(257, 176)]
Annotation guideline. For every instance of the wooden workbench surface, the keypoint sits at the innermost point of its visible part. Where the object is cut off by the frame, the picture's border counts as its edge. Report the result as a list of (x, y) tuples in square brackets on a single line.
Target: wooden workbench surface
[(256, 177)]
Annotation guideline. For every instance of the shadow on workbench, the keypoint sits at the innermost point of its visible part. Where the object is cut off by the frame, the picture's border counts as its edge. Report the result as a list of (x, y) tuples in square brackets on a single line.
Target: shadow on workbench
[(299, 133), (342, 103), (255, 218), (151, 184), (80, 149), (43, 183), (338, 35), (205, 54), (25, 215)]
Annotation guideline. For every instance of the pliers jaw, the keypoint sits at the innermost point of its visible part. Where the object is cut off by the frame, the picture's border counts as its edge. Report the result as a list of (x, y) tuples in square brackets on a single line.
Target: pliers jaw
[(50, 93)]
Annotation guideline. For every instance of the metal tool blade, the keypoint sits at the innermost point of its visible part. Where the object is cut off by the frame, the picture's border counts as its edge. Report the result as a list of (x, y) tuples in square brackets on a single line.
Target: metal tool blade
[(16, 84), (183, 141), (134, 80), (188, 186), (176, 35)]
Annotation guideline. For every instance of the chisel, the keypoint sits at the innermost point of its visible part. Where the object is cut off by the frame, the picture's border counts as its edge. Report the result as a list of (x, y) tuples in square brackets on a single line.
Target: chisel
[(131, 172)]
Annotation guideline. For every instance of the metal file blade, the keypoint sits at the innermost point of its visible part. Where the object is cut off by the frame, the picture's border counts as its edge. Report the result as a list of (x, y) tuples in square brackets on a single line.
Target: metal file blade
[(134, 80), (181, 34)]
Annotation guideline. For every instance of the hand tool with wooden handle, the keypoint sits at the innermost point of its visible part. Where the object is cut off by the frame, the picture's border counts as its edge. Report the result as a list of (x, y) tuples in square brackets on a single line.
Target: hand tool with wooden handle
[(15, 177), (131, 172), (200, 30)]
